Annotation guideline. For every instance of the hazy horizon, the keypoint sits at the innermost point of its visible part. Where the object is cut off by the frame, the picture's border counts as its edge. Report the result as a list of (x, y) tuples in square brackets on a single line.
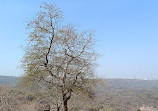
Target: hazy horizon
[(126, 34)]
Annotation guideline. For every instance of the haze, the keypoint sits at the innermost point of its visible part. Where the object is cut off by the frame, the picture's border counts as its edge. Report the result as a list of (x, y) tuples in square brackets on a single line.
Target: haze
[(126, 34)]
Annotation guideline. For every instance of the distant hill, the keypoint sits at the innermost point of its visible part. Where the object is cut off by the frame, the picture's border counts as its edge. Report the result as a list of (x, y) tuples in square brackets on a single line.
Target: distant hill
[(105, 84), (132, 84), (9, 80)]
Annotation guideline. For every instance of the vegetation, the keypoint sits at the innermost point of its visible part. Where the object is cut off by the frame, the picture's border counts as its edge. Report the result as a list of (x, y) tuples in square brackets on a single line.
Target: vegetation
[(59, 61), (111, 95)]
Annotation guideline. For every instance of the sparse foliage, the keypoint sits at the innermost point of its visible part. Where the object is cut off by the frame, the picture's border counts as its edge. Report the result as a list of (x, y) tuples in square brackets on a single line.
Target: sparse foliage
[(58, 59)]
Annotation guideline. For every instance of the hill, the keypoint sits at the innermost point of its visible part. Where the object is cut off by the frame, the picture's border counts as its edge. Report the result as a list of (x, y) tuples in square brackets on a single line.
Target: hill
[(105, 84), (131, 84), (8, 80)]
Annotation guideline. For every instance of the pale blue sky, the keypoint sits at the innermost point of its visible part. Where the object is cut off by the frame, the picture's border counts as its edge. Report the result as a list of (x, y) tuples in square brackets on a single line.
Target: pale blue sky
[(126, 31)]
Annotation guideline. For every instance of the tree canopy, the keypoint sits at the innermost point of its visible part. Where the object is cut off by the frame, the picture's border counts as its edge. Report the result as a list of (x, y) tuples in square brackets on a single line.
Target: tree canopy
[(58, 58)]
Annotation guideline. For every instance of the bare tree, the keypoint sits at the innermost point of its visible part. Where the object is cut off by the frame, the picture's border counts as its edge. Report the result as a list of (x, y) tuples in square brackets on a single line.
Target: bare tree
[(58, 59)]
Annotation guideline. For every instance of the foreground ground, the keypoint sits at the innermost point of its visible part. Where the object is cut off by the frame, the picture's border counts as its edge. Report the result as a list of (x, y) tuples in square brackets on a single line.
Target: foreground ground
[(111, 95)]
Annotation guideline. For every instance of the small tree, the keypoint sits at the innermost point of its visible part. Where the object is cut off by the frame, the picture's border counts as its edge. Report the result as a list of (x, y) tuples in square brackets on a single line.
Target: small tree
[(58, 59)]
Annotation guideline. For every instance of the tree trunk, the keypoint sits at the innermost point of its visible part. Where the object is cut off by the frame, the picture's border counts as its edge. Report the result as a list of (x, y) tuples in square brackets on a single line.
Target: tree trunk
[(65, 99), (65, 106), (58, 109)]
